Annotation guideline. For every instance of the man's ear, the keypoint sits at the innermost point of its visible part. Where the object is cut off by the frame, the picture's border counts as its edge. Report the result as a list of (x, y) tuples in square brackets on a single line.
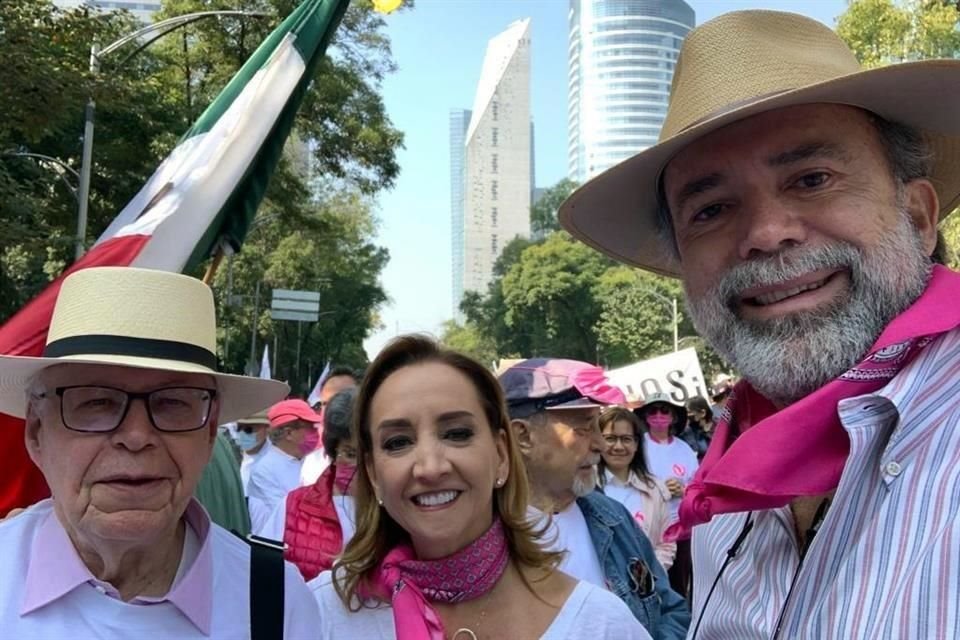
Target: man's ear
[(923, 206), (523, 433), (31, 433)]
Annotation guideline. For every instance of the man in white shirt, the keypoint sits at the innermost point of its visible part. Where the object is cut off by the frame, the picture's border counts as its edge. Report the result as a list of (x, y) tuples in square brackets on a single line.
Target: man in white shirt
[(316, 462), (553, 406), (121, 416), (251, 437), (293, 435)]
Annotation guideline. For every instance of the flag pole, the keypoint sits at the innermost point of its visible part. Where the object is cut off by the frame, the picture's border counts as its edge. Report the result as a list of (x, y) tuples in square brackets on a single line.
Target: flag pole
[(212, 267)]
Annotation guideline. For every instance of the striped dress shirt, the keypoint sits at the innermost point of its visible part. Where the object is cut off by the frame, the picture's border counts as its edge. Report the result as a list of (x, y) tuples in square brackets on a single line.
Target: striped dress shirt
[(885, 563)]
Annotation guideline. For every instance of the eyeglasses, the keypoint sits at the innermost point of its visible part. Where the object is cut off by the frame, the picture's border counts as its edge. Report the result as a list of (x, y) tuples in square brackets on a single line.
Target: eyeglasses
[(94, 409), (661, 409), (612, 440)]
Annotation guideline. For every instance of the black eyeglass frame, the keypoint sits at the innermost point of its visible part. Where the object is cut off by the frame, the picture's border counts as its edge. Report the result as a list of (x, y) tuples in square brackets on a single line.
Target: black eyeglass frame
[(131, 396)]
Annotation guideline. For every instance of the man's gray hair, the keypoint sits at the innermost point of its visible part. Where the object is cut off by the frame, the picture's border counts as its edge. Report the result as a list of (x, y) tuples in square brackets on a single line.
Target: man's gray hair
[(909, 157)]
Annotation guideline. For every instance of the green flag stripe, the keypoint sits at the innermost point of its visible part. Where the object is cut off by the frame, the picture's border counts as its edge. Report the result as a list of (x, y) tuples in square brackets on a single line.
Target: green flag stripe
[(316, 19), (313, 23)]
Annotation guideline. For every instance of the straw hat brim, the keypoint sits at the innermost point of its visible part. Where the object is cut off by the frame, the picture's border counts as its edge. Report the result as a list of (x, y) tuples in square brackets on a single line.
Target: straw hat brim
[(616, 212), (240, 396)]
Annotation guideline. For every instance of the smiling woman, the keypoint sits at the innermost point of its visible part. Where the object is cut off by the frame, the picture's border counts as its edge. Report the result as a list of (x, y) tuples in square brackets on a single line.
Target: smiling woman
[(443, 535)]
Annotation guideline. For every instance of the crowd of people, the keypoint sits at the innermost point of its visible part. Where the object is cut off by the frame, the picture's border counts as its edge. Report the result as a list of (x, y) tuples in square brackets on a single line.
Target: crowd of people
[(796, 196)]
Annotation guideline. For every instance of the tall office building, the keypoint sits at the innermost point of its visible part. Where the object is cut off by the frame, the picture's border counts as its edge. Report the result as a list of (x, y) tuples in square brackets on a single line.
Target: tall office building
[(622, 55), (142, 9), (497, 162), (459, 122)]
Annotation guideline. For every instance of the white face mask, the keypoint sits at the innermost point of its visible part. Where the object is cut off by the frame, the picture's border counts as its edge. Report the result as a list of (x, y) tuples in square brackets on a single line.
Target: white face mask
[(246, 441)]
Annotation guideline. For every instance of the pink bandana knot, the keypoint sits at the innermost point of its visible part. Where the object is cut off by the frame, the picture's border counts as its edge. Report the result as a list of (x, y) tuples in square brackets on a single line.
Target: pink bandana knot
[(411, 584), (762, 458)]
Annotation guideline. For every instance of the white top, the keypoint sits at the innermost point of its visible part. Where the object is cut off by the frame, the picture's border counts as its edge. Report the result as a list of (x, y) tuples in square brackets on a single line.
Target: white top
[(568, 532), (673, 459), (314, 464), (273, 476), (589, 612), (88, 612), (246, 464), (276, 524)]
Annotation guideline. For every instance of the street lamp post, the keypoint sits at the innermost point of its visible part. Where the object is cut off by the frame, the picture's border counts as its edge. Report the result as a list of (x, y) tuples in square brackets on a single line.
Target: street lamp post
[(148, 35), (672, 303), (60, 164)]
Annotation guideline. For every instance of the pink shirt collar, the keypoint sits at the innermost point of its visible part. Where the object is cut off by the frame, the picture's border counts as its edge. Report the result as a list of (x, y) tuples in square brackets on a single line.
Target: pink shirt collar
[(55, 569)]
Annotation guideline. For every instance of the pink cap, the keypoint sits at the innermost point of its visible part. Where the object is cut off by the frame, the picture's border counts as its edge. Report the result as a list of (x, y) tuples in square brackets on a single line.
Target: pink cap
[(287, 411)]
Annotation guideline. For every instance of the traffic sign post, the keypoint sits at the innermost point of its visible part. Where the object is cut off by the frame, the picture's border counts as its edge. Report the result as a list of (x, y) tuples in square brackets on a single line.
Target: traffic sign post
[(295, 306)]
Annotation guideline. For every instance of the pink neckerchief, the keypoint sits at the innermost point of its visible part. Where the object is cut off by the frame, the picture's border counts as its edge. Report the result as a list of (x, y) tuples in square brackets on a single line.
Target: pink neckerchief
[(412, 584), (761, 458)]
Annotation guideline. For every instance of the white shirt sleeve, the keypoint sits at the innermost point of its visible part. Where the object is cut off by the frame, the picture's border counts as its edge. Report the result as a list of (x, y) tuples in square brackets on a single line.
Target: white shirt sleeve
[(273, 525)]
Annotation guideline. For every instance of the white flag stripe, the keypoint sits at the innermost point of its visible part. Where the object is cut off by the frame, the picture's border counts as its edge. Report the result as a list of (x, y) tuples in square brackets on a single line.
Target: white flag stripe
[(204, 170), (265, 372)]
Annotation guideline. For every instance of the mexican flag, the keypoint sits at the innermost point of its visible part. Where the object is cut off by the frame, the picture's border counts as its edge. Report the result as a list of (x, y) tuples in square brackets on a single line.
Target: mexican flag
[(204, 194)]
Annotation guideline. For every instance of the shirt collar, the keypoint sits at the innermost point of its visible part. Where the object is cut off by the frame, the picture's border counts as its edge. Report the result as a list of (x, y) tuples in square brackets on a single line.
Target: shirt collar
[(55, 569), (633, 481)]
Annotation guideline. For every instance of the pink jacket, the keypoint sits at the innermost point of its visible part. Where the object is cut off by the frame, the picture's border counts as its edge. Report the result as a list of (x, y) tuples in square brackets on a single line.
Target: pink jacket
[(655, 500)]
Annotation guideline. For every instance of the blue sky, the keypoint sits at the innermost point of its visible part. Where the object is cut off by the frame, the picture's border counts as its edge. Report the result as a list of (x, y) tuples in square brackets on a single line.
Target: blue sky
[(439, 47)]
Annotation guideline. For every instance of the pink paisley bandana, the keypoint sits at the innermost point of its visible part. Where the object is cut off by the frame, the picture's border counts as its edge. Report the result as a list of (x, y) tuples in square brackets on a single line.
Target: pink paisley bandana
[(761, 458), (413, 584)]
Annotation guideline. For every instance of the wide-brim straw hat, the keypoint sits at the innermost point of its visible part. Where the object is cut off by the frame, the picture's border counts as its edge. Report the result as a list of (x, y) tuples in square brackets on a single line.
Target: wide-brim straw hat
[(742, 64), (138, 318)]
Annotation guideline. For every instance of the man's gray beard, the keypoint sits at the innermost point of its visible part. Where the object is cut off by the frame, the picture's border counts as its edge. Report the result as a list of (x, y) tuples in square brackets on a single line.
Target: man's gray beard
[(788, 358), (583, 488)]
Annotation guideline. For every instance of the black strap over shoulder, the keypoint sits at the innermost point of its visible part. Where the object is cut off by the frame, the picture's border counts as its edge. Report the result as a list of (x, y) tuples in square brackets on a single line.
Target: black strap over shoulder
[(266, 588)]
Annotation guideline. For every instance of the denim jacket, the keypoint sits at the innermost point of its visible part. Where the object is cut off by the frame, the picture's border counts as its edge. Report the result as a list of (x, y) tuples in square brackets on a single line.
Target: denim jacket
[(619, 542)]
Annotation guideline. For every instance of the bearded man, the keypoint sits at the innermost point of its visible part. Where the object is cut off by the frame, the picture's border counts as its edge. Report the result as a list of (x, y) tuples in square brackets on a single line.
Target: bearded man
[(797, 196)]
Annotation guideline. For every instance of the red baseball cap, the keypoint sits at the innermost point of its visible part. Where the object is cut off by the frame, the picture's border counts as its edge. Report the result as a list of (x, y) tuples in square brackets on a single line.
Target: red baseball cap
[(287, 411)]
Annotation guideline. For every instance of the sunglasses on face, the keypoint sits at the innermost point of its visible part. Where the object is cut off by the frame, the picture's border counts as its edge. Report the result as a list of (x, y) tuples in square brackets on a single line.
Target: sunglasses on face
[(663, 410)]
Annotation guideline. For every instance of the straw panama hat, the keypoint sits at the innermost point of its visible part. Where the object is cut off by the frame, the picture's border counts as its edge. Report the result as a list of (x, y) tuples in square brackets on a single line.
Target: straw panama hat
[(138, 318), (741, 64)]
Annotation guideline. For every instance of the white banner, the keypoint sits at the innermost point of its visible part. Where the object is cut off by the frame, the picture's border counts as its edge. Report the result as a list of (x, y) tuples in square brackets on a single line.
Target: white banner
[(677, 374)]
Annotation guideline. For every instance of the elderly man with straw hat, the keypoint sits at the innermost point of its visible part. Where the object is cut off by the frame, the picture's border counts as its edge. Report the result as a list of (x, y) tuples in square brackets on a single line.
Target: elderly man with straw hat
[(797, 197), (121, 414)]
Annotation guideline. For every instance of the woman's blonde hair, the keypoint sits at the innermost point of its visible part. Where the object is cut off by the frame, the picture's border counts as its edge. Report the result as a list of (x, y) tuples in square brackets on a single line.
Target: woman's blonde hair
[(377, 533)]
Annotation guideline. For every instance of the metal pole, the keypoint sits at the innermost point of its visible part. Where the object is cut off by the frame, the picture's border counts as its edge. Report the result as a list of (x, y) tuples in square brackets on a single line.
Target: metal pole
[(253, 328), (273, 371), (299, 333), (86, 158), (676, 323)]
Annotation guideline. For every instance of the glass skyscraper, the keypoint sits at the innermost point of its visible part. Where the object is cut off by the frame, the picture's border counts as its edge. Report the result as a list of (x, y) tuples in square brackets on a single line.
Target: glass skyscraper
[(621, 59)]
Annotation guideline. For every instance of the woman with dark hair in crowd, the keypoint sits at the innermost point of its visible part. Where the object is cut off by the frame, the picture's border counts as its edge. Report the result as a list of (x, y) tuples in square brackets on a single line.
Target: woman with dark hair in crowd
[(316, 521), (444, 547), (623, 476), (699, 427)]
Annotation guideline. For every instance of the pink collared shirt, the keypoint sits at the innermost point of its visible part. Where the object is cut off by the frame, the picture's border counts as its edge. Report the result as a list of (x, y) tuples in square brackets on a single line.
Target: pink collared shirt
[(55, 569)]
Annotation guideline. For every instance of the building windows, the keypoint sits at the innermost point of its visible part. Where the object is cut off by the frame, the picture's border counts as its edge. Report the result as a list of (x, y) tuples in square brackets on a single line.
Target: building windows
[(493, 244), (493, 163), (494, 134), (493, 190), (493, 216), (495, 111)]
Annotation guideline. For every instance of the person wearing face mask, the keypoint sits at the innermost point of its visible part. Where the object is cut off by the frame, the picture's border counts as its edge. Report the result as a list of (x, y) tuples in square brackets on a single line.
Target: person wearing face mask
[(316, 521), (293, 435), (251, 437), (671, 460)]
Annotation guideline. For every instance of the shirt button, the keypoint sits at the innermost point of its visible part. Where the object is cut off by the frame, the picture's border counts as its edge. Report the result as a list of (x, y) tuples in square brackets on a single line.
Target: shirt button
[(892, 468)]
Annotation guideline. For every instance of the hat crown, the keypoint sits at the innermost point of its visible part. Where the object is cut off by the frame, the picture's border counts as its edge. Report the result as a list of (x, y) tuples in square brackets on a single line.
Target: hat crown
[(743, 56), (135, 303)]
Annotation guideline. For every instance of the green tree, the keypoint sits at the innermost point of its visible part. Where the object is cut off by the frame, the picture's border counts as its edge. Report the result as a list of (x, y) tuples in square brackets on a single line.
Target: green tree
[(543, 213), (468, 340)]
